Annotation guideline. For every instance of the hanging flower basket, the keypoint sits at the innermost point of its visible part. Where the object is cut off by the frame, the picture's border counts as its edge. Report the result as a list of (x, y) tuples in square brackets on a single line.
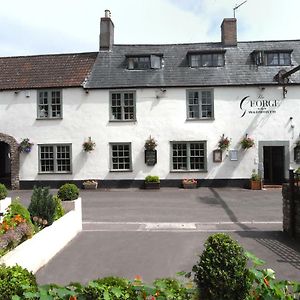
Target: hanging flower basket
[(89, 146), (224, 143), (25, 146), (150, 143), (247, 142)]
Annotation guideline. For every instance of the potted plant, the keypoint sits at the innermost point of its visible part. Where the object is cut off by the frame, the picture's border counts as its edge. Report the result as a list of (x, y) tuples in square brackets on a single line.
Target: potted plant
[(255, 181), (223, 143), (247, 142), (189, 183), (89, 145), (152, 182), (25, 146), (150, 152), (90, 184)]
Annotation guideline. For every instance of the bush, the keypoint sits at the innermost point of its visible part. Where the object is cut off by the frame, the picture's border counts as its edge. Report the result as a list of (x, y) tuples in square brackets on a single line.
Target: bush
[(150, 178), (221, 272), (68, 191), (59, 210), (42, 206), (3, 191), (110, 288), (15, 281), (171, 289), (16, 208)]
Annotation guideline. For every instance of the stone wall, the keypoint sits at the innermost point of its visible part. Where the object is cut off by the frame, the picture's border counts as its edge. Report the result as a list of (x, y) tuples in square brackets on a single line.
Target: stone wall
[(291, 215)]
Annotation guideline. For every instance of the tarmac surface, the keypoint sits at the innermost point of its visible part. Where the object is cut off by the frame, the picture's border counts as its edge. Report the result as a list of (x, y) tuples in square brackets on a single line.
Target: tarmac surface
[(157, 233)]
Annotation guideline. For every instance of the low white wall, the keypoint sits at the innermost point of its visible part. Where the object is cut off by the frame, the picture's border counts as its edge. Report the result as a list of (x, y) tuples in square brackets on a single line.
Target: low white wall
[(4, 203), (37, 251)]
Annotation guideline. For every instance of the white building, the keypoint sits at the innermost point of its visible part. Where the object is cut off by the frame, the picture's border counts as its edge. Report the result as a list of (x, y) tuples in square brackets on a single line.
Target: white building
[(186, 96)]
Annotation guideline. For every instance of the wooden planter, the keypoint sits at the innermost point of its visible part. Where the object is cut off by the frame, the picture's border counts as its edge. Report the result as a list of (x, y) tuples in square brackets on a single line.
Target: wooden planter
[(90, 186), (152, 185), (255, 185)]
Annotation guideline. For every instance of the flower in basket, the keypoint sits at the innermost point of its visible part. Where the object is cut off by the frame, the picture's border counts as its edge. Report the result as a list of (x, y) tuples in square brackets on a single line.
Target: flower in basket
[(189, 181), (89, 145), (247, 142), (25, 146), (150, 143), (223, 143)]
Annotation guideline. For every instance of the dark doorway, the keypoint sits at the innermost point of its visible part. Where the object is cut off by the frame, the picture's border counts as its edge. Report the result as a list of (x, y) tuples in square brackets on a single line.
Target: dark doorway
[(273, 157), (5, 165)]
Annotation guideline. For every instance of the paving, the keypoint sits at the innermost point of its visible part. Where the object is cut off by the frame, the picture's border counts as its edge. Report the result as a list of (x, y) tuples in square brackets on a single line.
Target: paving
[(158, 233)]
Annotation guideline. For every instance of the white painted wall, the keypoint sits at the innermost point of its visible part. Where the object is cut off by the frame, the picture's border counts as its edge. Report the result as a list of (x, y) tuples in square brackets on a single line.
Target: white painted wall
[(87, 114)]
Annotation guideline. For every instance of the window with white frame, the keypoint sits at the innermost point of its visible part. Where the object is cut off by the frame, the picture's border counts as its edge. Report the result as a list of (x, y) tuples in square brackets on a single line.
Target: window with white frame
[(122, 106), (188, 156), (55, 158), (200, 104), (206, 60), (50, 104), (144, 62), (120, 157)]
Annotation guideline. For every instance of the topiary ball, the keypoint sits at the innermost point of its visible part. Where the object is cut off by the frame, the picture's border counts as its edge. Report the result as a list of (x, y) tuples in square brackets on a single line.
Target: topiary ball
[(68, 191)]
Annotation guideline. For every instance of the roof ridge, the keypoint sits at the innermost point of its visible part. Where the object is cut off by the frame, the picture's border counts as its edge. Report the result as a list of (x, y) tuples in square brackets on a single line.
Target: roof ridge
[(45, 55)]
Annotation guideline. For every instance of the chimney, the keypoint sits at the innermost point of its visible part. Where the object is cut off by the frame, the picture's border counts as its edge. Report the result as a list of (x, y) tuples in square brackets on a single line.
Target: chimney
[(228, 31), (106, 32)]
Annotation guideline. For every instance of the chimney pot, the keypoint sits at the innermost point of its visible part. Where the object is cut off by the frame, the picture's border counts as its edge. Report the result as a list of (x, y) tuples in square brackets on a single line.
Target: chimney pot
[(107, 13), (229, 32)]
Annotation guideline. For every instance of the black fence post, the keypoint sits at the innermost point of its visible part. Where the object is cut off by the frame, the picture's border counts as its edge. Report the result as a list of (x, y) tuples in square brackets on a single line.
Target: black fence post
[(292, 202)]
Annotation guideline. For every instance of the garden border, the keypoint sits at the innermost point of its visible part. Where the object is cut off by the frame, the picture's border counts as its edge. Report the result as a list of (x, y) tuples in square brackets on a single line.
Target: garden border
[(34, 253)]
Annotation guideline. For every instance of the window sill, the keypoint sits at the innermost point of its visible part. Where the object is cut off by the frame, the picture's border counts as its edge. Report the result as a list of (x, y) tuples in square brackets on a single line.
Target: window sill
[(126, 121), (188, 171), (49, 118), (54, 173), (122, 171), (201, 119)]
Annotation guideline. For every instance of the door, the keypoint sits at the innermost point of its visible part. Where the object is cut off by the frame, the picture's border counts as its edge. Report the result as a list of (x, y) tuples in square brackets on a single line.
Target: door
[(4, 164), (273, 158)]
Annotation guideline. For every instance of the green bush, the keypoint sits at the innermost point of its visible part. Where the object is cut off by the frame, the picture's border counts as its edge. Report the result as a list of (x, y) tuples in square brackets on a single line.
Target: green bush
[(171, 289), (15, 281), (151, 178), (110, 288), (3, 191), (59, 210), (42, 206), (16, 208), (68, 191), (222, 270)]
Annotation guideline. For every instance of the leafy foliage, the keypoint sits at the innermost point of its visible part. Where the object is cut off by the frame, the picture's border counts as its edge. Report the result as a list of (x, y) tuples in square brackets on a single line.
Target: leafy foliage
[(3, 191), (110, 288), (221, 272), (68, 191), (59, 210), (42, 206), (16, 208), (151, 178), (15, 281)]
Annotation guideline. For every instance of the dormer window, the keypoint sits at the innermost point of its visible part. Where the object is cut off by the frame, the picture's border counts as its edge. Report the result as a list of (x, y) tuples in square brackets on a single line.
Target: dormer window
[(206, 59), (144, 62), (272, 58)]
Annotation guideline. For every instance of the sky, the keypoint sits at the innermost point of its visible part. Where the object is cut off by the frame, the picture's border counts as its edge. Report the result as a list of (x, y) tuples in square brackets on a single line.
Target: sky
[(30, 27)]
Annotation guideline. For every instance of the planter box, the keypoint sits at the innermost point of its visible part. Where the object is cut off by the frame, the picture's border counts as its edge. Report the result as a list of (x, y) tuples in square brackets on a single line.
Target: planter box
[(255, 185), (191, 185), (4, 203), (152, 185), (37, 251), (90, 186)]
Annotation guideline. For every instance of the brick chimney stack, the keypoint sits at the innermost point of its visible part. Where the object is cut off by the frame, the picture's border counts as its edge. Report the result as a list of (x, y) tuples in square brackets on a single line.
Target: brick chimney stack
[(106, 32), (229, 32)]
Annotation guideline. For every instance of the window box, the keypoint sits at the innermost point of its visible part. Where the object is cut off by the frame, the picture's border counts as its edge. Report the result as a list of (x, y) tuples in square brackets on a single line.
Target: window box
[(152, 185), (189, 183), (256, 185)]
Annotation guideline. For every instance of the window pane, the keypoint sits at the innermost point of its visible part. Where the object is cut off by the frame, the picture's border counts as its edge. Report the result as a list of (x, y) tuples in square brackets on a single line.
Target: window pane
[(155, 61), (63, 158), (46, 159), (56, 105), (193, 105), (197, 156), (179, 156), (206, 60), (121, 157), (195, 60), (43, 105), (123, 106), (272, 59), (206, 104)]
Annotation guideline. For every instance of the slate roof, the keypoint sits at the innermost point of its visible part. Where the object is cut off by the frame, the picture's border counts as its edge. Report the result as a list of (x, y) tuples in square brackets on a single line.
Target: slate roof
[(110, 70), (45, 71)]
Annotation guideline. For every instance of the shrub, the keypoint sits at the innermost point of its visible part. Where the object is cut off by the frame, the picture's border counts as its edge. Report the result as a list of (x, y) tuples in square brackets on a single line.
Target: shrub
[(68, 191), (221, 272), (42, 206), (150, 178), (3, 191), (110, 288), (171, 289), (16, 208), (59, 210), (15, 281)]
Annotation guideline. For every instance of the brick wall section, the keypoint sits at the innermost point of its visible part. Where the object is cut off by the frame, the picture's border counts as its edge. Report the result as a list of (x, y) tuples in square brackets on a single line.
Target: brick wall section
[(14, 158), (287, 211), (229, 32)]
